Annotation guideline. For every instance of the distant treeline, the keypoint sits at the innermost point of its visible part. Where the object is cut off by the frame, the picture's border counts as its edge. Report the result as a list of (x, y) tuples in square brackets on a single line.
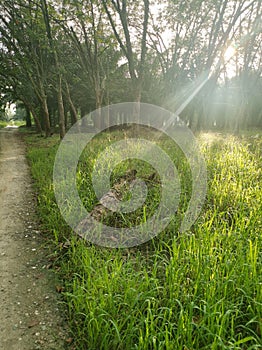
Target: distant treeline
[(62, 59)]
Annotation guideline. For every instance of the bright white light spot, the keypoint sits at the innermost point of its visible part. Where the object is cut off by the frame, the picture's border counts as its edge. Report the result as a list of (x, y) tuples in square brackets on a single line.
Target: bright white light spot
[(230, 65), (229, 53)]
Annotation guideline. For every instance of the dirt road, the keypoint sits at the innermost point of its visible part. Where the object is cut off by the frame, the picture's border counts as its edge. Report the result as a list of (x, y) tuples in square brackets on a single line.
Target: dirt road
[(30, 314)]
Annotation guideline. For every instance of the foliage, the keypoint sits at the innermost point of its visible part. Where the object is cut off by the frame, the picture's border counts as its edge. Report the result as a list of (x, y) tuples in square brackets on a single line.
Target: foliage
[(63, 59), (3, 124)]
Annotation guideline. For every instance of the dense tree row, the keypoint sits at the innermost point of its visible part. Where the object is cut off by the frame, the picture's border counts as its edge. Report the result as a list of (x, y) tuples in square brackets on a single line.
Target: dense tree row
[(64, 58)]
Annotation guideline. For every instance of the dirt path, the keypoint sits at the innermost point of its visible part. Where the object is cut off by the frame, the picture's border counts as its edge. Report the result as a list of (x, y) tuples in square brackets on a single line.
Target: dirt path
[(30, 314)]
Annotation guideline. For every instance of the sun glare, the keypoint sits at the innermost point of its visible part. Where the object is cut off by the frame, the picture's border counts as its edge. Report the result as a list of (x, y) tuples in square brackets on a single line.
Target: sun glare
[(229, 53), (230, 64)]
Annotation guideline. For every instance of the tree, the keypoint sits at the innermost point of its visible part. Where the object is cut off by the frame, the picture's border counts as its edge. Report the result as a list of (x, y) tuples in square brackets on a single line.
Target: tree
[(136, 60), (57, 65), (202, 31), (23, 39)]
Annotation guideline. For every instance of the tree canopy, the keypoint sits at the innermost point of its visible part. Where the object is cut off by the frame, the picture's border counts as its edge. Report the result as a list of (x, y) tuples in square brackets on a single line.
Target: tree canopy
[(62, 59)]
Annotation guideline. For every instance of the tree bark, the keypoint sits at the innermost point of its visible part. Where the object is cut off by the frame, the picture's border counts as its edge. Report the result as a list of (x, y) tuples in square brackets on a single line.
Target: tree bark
[(46, 117), (74, 115), (61, 110), (28, 118), (36, 120)]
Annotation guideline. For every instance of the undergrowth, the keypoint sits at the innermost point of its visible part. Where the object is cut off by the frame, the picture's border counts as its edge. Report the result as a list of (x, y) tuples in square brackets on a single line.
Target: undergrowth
[(3, 124), (196, 290)]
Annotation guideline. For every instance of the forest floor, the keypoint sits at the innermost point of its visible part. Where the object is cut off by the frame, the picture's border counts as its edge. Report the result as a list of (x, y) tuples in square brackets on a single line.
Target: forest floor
[(30, 308)]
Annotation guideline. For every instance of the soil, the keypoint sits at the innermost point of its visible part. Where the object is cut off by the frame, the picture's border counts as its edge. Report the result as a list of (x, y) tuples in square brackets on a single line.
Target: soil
[(31, 309)]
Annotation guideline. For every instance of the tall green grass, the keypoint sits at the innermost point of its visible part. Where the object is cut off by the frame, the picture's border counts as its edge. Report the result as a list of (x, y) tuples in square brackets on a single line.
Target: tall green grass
[(3, 124), (196, 290)]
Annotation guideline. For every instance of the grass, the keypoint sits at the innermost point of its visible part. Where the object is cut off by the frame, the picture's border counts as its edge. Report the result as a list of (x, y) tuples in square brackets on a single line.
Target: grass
[(17, 123), (197, 290), (3, 124)]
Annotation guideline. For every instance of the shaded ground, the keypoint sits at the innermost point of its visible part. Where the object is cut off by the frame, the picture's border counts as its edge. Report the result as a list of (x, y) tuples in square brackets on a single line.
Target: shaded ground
[(30, 312)]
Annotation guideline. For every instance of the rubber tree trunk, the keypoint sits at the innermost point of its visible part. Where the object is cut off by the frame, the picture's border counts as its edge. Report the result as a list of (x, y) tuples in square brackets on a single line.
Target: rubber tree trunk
[(28, 118), (37, 122), (73, 111), (136, 108), (98, 122), (46, 117), (61, 110), (31, 110)]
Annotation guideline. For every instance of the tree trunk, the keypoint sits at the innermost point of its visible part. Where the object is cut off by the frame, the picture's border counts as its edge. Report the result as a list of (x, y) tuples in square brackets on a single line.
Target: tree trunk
[(61, 110), (98, 122), (136, 108), (31, 109), (98, 118), (46, 117), (73, 111), (28, 118), (37, 122)]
